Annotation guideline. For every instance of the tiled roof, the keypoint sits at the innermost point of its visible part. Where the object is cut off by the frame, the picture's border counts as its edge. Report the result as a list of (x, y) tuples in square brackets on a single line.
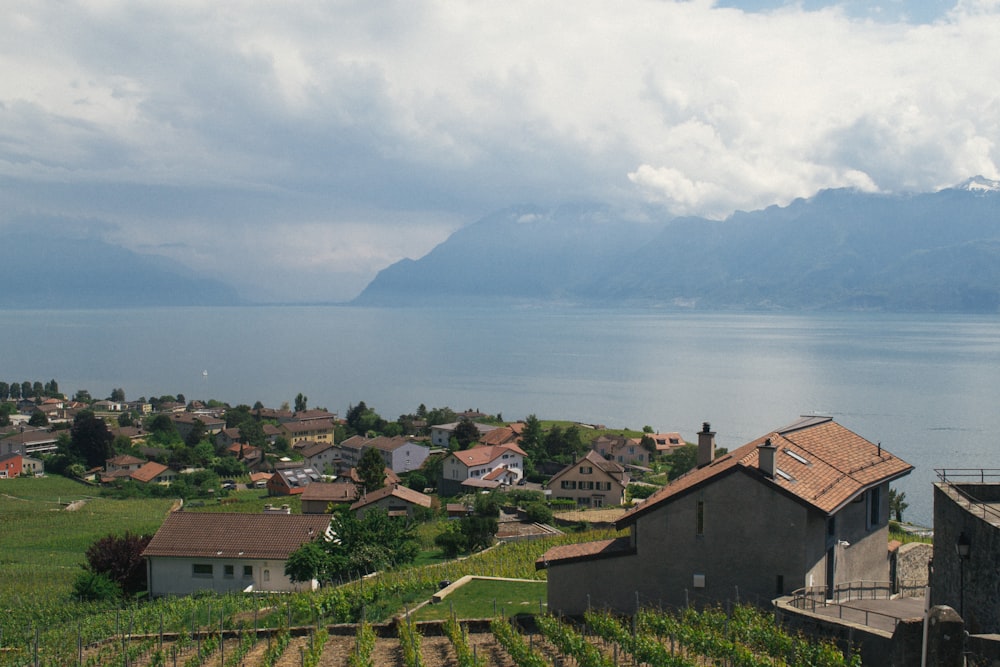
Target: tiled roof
[(330, 492), (149, 472), (819, 462), (477, 456), (496, 473), (498, 436), (387, 444), (124, 460), (615, 470), (568, 553), (235, 535), (308, 426), (401, 492), (315, 448)]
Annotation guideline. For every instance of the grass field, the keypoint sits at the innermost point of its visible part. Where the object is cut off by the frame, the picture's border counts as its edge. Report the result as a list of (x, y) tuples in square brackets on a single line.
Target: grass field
[(48, 523), (485, 598)]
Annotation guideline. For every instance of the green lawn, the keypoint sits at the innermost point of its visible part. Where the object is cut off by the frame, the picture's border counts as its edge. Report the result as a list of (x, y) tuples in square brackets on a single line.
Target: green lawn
[(250, 501), (484, 598), (44, 542)]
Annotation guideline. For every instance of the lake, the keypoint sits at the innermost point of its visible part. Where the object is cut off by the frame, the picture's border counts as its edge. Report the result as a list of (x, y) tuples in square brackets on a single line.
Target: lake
[(924, 386)]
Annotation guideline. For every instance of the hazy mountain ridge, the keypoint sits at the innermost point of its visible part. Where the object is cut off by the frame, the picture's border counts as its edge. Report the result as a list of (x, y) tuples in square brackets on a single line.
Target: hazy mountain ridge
[(43, 270), (838, 250)]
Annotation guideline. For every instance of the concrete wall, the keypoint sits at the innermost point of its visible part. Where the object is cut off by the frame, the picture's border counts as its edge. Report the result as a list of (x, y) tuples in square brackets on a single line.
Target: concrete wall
[(173, 576)]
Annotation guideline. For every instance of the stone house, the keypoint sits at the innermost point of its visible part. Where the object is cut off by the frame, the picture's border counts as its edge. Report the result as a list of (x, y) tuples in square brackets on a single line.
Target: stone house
[(803, 506)]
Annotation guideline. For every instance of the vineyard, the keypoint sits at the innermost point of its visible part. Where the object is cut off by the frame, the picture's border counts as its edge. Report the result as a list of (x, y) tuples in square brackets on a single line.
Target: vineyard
[(742, 637)]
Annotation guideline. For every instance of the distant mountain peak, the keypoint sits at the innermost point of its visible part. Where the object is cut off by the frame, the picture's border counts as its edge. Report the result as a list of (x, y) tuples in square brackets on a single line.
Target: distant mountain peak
[(978, 184)]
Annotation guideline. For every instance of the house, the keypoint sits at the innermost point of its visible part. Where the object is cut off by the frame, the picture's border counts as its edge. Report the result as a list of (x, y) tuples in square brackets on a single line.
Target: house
[(155, 473), (441, 433), (318, 496), (185, 423), (477, 463), (390, 477), (320, 455), (395, 499), (194, 552), (259, 479), (250, 456), (400, 453), (30, 441), (123, 462), (592, 481), (291, 481), (504, 435), (805, 505), (11, 466), (626, 451), (349, 451), (319, 430), (667, 443)]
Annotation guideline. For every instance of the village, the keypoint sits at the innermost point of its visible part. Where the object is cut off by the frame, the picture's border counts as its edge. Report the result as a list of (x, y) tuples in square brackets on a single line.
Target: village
[(796, 521)]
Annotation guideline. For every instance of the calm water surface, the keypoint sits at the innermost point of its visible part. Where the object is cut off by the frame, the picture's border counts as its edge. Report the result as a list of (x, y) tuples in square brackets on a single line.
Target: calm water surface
[(926, 387)]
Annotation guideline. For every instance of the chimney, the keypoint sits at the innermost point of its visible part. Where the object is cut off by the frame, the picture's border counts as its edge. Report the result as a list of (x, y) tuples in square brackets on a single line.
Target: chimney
[(706, 445), (765, 454)]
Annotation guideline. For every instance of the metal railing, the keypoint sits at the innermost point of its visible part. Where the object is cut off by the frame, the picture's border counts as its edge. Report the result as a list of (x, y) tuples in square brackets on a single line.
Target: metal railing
[(955, 477), (814, 599)]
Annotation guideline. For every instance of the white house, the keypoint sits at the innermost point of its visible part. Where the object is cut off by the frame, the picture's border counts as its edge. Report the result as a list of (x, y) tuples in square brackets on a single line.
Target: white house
[(476, 463), (194, 552), (441, 433)]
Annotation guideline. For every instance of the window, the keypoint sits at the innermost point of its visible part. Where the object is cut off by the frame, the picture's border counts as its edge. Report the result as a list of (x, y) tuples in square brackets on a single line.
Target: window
[(586, 470), (874, 507), (201, 570), (227, 571), (831, 526), (267, 575), (701, 518), (248, 571)]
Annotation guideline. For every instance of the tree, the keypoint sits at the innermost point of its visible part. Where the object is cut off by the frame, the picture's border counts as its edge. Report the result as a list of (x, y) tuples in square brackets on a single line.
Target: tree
[(15, 391), (4, 391), (38, 418), (682, 459), (126, 419), (466, 433), (26, 389), (306, 563), (117, 395), (532, 436), (52, 388), (91, 439), (301, 402), (371, 469), (197, 433), (362, 419), (897, 503), (119, 557), (82, 396)]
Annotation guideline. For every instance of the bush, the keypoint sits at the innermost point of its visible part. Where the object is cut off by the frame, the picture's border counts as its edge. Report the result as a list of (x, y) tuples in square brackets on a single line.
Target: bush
[(640, 491), (95, 586), (538, 513)]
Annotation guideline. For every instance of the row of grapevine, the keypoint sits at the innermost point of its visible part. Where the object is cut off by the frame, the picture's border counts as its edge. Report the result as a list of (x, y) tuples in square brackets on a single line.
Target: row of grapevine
[(409, 644), (572, 643), (460, 642), (364, 646), (642, 647), (512, 642)]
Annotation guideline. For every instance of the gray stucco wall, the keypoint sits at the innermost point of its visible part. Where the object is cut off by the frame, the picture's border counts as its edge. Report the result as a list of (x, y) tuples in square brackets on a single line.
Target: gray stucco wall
[(753, 540), (173, 576)]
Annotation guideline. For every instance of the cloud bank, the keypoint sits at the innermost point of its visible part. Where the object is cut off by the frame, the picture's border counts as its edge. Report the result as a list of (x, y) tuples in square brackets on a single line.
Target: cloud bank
[(294, 150)]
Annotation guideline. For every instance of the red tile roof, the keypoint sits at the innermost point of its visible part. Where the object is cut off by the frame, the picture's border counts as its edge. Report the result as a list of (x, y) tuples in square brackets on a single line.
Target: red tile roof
[(826, 466), (477, 456), (330, 492), (569, 553), (234, 535), (396, 491), (149, 472)]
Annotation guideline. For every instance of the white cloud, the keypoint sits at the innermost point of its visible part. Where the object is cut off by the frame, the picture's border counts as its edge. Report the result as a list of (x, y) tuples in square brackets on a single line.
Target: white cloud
[(327, 120)]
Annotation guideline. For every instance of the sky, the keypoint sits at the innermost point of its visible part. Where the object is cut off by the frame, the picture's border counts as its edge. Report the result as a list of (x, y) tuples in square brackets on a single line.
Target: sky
[(295, 149)]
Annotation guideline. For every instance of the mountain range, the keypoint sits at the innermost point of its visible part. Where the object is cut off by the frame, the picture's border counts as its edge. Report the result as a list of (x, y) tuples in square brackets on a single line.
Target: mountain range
[(839, 250)]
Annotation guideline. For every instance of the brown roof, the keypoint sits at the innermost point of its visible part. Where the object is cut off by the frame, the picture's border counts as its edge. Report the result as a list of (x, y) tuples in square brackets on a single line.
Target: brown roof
[(124, 460), (314, 448), (499, 436), (611, 468), (308, 426), (148, 471), (235, 535), (387, 444), (401, 492), (825, 465), (331, 492), (477, 456), (390, 476), (567, 553)]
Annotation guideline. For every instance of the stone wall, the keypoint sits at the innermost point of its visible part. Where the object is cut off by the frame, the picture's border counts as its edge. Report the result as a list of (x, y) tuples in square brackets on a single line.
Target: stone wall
[(911, 568)]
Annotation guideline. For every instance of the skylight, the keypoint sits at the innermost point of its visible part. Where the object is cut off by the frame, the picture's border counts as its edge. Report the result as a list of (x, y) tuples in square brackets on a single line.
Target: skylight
[(797, 457), (783, 475)]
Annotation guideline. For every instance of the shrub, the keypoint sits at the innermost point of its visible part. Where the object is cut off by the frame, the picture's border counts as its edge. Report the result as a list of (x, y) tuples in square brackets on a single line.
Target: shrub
[(95, 586)]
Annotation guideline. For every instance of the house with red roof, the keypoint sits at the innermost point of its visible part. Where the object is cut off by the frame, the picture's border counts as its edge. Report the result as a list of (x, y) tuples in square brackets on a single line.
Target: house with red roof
[(228, 552), (803, 506), (503, 463)]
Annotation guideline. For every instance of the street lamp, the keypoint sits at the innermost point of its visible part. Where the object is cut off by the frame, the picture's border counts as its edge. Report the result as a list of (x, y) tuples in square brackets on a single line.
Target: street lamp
[(962, 547)]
